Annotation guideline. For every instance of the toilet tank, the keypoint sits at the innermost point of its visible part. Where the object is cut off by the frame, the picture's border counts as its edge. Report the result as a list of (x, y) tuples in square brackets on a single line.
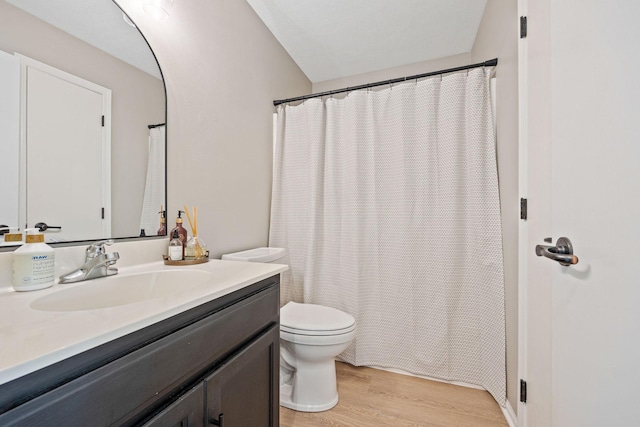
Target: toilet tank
[(257, 255)]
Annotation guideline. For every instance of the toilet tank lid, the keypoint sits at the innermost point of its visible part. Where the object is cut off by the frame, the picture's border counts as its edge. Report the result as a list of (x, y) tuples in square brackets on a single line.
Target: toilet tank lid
[(257, 255), (312, 317)]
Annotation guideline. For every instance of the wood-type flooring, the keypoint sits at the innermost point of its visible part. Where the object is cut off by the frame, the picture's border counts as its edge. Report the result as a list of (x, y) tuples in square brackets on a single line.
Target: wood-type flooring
[(372, 397)]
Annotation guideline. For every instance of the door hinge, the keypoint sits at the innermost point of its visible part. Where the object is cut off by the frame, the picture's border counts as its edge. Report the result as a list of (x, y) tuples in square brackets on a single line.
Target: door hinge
[(523, 27), (102, 213), (523, 391), (102, 121), (523, 208)]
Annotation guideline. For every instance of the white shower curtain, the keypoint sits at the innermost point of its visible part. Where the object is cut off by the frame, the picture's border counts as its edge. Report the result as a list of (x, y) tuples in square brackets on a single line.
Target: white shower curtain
[(387, 202), (154, 190)]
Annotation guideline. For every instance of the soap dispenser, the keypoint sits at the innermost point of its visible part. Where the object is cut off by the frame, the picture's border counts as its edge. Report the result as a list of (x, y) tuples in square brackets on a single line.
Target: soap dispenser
[(176, 248), (12, 235), (162, 231), (33, 263), (182, 232)]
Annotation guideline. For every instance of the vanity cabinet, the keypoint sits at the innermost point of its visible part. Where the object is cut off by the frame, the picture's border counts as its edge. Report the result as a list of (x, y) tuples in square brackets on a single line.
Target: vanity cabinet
[(216, 364), (241, 392)]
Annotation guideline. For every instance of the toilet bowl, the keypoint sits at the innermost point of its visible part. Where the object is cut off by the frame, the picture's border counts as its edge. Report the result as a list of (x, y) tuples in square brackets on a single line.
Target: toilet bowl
[(311, 336)]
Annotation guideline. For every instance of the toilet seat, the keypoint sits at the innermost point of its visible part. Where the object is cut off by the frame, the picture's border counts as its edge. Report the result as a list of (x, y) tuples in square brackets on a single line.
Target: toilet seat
[(318, 340), (314, 320), (295, 331)]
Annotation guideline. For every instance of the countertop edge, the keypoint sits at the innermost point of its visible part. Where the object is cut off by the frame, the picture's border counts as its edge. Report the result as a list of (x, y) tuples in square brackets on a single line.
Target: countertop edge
[(17, 370)]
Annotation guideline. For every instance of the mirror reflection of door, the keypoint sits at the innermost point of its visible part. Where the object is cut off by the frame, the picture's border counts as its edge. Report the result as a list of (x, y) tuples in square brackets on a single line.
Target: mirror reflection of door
[(9, 136), (65, 138)]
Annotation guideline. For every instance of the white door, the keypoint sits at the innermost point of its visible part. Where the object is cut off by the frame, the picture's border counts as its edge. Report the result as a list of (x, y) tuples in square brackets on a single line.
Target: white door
[(9, 137), (583, 177), (67, 162)]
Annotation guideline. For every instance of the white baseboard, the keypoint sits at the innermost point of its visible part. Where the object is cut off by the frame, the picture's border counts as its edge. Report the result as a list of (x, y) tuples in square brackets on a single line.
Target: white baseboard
[(510, 415)]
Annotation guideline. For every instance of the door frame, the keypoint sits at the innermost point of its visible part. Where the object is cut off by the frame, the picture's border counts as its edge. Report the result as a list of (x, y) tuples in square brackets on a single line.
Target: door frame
[(523, 229), (25, 64), (534, 319), (522, 225), (9, 138)]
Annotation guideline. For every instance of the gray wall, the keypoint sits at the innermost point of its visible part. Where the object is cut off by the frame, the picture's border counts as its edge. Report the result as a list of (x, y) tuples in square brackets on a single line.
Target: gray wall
[(497, 38), (137, 98), (223, 69), (390, 73)]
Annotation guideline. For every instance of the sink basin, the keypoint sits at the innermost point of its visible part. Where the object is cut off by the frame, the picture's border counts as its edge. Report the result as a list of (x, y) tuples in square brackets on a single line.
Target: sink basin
[(121, 290)]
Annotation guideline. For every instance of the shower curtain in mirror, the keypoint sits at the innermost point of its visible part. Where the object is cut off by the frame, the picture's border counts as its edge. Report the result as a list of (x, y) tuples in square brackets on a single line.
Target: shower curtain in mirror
[(387, 202), (154, 190)]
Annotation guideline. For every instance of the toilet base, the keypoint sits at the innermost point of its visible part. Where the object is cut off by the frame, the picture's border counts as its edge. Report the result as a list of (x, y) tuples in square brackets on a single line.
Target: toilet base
[(285, 400)]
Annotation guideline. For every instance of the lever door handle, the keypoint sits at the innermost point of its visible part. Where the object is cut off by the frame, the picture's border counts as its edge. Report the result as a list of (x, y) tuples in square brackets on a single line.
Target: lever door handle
[(562, 252), (42, 226)]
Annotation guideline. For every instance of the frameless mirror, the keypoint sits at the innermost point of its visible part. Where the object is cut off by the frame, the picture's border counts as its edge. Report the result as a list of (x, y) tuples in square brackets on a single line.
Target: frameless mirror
[(82, 122)]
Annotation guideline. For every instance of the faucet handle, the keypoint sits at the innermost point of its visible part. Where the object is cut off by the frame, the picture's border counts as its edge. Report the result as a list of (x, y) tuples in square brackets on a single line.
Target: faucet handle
[(97, 248)]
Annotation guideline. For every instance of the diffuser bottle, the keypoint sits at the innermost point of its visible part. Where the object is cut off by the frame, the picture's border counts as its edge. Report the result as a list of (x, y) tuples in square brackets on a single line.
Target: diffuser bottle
[(33, 263), (196, 248)]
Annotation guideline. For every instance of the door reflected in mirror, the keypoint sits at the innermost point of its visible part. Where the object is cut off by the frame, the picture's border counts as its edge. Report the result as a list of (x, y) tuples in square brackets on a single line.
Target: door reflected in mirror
[(82, 125)]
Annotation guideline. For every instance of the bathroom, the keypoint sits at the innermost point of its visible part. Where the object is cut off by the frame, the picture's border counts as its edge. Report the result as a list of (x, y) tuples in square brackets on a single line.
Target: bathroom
[(223, 69)]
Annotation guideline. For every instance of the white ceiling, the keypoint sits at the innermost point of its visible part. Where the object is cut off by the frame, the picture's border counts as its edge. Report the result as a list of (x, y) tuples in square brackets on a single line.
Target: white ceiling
[(330, 39), (97, 22)]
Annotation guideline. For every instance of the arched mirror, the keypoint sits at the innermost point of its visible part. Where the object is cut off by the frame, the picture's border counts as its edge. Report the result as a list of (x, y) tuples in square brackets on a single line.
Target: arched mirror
[(82, 122)]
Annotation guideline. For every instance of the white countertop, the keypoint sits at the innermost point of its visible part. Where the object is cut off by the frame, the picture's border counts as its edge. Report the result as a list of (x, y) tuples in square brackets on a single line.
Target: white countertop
[(31, 339)]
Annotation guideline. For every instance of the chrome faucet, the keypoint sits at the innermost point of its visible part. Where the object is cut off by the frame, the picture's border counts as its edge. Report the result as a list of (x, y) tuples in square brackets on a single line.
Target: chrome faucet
[(96, 264)]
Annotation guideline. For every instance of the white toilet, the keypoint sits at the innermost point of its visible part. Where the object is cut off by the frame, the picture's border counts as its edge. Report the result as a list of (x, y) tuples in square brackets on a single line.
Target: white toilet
[(311, 336)]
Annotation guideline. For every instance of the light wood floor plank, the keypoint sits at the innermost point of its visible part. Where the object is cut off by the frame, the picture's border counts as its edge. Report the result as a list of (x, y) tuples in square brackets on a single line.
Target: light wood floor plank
[(372, 397)]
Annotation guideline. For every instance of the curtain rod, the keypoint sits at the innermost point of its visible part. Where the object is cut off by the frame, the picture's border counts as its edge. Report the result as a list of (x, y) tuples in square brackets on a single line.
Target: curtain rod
[(155, 126), (489, 63)]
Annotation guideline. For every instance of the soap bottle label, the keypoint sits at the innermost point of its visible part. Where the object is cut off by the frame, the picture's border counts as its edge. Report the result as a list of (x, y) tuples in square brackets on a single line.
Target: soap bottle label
[(33, 270), (175, 253)]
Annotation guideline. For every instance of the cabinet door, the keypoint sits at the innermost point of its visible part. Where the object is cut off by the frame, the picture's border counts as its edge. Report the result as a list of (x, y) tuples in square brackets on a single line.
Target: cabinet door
[(187, 411), (244, 391)]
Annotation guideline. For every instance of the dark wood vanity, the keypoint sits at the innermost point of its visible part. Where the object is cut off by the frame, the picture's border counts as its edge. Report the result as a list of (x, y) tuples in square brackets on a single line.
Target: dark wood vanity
[(215, 364)]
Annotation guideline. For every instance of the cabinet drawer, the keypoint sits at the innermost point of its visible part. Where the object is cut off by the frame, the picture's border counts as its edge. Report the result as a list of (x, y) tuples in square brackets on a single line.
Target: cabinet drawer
[(122, 391)]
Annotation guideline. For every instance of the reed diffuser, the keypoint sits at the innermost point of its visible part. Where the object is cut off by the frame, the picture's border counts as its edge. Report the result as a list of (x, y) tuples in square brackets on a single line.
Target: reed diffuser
[(196, 248)]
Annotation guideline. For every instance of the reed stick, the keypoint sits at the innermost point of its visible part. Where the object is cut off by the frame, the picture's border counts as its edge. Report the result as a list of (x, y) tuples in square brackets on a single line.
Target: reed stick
[(186, 211), (195, 220)]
